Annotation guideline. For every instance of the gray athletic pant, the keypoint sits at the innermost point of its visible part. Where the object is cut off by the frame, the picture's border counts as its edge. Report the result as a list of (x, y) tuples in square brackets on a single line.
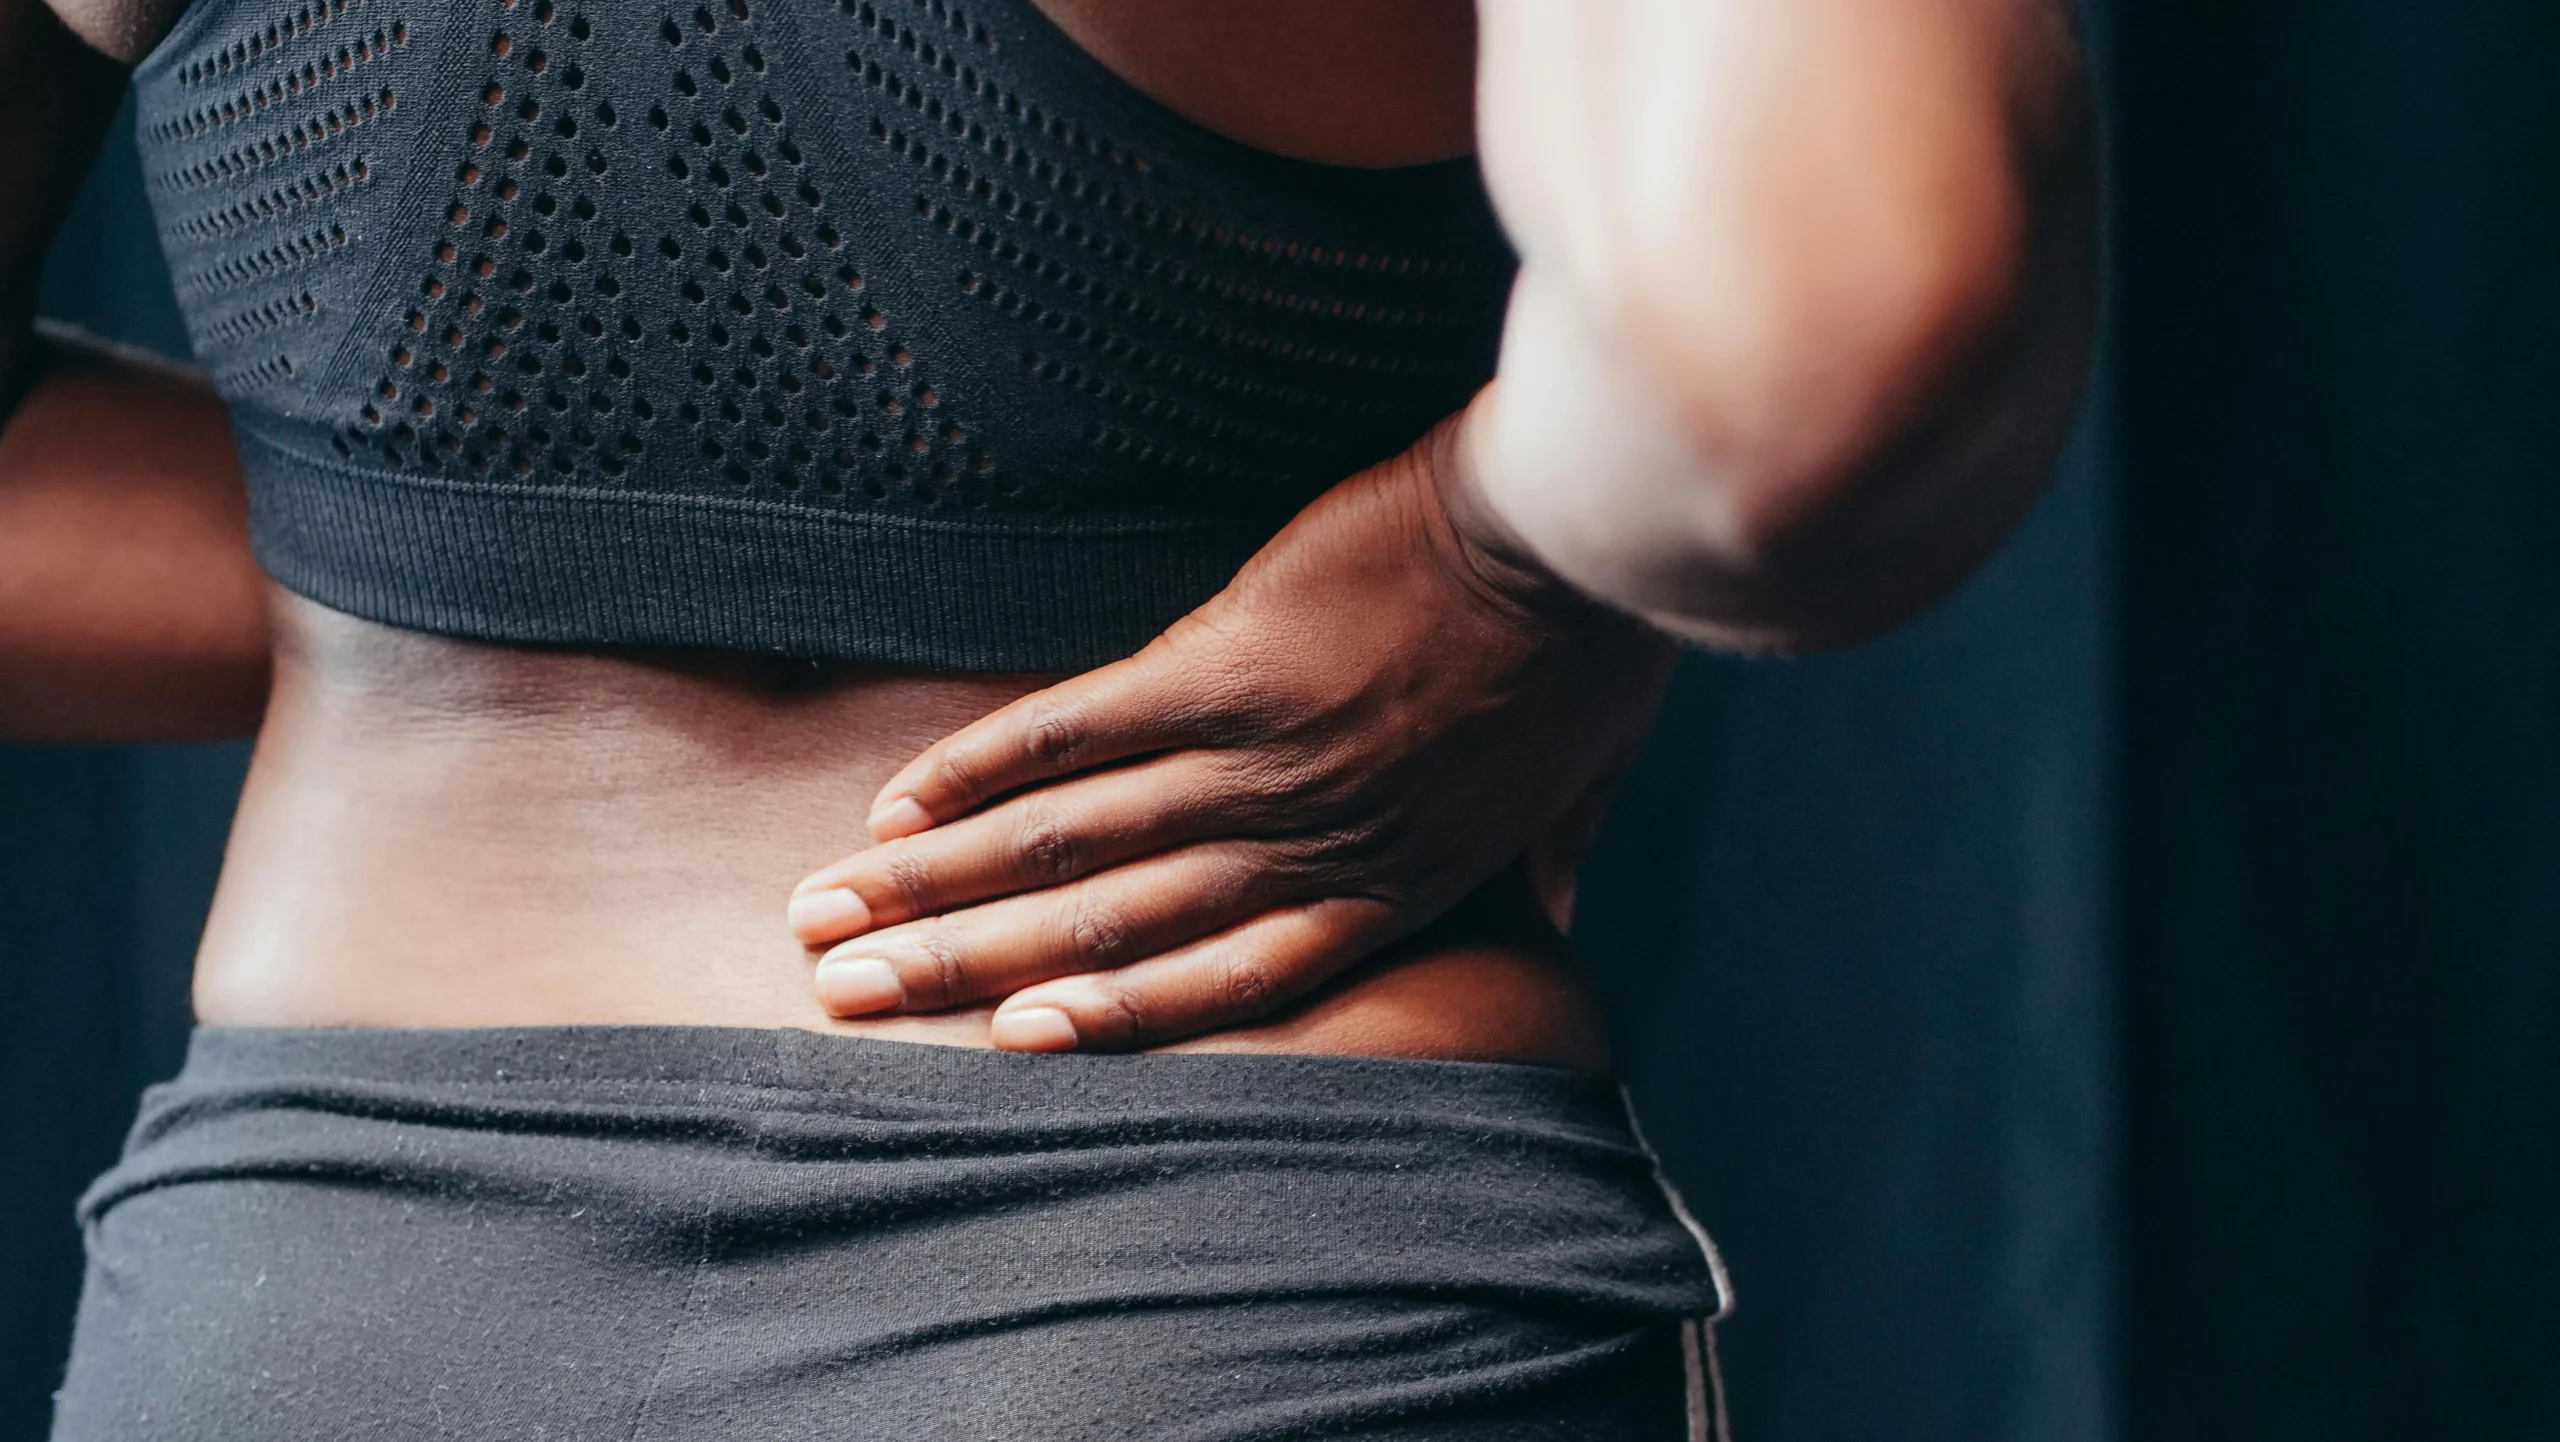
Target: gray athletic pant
[(696, 1233)]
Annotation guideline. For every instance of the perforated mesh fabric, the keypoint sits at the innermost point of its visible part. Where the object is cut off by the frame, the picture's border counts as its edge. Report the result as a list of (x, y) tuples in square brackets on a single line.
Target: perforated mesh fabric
[(889, 330)]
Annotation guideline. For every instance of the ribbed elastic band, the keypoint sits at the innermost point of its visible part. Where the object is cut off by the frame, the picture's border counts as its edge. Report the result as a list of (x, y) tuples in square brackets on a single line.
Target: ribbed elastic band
[(558, 565)]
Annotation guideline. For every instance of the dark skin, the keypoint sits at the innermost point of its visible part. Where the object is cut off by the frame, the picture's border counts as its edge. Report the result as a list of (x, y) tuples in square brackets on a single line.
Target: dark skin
[(1394, 730), (1194, 814), (1781, 398), (550, 837), (1404, 95), (149, 623), (128, 607)]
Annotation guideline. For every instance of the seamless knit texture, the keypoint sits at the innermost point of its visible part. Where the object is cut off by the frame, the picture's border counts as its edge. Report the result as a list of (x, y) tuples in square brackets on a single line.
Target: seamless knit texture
[(884, 330), (676, 1233)]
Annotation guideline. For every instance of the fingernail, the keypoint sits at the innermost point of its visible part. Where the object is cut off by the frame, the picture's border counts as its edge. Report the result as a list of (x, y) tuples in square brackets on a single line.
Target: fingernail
[(858, 986), (1034, 1028), (829, 914), (902, 817)]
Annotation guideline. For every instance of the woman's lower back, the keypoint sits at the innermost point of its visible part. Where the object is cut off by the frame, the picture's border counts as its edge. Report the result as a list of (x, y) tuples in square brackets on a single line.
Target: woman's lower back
[(439, 833)]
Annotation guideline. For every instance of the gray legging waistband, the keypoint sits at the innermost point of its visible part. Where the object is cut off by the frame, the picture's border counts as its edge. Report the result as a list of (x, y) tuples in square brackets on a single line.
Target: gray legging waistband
[(680, 1232)]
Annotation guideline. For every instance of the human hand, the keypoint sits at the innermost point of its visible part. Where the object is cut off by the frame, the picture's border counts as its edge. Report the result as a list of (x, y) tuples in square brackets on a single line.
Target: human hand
[(1382, 711)]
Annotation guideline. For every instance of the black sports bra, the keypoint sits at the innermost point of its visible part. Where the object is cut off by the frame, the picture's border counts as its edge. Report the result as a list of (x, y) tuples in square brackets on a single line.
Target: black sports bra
[(886, 330)]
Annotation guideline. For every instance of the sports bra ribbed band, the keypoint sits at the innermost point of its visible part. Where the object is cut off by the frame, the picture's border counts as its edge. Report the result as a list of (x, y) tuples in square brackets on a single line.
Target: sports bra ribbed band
[(897, 331)]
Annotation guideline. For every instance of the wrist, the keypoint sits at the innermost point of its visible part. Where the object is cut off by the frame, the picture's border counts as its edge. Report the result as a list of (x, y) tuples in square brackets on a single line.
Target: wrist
[(1459, 483), (1482, 546)]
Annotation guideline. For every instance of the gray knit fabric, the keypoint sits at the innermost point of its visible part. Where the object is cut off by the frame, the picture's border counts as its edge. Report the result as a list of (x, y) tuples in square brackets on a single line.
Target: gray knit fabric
[(664, 1233), (900, 331)]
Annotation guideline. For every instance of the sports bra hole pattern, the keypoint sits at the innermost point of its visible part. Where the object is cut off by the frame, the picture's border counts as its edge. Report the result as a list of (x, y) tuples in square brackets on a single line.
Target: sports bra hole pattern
[(533, 315)]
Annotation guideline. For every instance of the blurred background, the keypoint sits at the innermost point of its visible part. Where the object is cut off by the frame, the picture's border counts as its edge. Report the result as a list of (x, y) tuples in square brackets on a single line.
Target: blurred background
[(2124, 1005)]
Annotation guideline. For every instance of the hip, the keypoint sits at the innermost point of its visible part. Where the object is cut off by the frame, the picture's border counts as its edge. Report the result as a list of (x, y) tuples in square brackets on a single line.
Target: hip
[(660, 1232)]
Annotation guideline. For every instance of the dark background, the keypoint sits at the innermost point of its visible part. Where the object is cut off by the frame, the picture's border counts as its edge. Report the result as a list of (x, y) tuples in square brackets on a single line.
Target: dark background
[(2120, 1006)]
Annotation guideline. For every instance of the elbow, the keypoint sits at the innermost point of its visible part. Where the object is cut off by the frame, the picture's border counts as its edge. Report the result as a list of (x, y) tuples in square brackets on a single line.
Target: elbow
[(1807, 385), (1810, 490), (1811, 441), (1881, 416), (1862, 282), (1797, 389)]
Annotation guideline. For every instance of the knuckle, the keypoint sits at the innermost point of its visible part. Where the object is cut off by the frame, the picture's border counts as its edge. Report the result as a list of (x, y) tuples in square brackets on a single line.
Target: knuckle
[(944, 962), (960, 773), (1052, 736), (1395, 832), (1123, 1015), (909, 880), (1265, 770), (1101, 935), (1248, 982), (1353, 845), (1228, 711), (1254, 873), (1302, 860), (1273, 781), (1048, 849), (1196, 642)]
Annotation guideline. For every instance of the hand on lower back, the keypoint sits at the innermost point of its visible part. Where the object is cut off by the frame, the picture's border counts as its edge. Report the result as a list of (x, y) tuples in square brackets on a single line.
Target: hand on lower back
[(1375, 717)]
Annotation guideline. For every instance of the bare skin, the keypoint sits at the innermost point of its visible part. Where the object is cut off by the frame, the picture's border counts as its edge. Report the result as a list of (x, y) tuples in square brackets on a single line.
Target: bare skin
[(1777, 397), (1807, 296), (1349, 82), (440, 833)]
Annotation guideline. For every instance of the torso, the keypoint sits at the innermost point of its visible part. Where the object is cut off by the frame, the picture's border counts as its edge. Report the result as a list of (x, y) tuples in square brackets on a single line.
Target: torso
[(441, 833)]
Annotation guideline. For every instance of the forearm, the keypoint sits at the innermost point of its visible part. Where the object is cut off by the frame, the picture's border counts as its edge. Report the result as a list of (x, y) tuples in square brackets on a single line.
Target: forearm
[(1807, 296), (130, 609)]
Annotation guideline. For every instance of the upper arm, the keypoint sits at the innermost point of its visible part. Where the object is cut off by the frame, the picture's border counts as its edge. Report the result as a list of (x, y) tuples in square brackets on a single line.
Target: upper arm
[(58, 95), (1772, 201), (1808, 290), (124, 30)]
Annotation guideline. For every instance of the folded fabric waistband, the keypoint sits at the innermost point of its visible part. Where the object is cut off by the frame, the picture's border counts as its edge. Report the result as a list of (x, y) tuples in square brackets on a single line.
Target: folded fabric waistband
[(809, 1062)]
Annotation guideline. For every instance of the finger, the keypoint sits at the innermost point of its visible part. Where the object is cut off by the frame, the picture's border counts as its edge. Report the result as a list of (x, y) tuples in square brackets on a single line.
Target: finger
[(1242, 974), (1046, 837), (1149, 702), (1118, 917)]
